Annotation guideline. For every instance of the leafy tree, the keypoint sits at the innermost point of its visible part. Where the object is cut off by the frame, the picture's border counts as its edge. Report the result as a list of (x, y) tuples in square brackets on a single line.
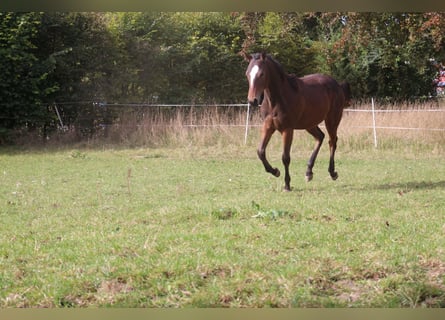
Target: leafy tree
[(24, 78), (386, 55), (210, 66), (179, 57), (142, 41), (281, 34), (84, 53)]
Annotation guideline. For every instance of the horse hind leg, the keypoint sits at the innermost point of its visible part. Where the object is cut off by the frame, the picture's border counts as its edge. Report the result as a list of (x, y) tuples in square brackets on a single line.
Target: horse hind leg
[(332, 148), (332, 131), (319, 136)]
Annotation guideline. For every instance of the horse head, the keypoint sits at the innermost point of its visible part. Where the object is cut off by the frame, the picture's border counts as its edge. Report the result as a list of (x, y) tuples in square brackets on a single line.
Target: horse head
[(257, 77)]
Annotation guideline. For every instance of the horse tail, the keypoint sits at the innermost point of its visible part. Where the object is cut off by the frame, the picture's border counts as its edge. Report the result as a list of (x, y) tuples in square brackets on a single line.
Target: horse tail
[(346, 88)]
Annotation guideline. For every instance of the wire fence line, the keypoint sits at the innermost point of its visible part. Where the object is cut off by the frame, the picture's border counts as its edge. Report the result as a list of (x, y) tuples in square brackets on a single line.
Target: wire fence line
[(104, 106), (245, 105), (178, 105), (394, 110), (400, 128)]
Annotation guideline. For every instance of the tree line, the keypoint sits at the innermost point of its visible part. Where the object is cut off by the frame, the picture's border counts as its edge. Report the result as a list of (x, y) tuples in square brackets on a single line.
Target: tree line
[(194, 57)]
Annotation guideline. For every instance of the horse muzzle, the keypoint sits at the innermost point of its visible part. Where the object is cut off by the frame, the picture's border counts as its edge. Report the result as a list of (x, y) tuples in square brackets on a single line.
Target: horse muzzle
[(253, 103)]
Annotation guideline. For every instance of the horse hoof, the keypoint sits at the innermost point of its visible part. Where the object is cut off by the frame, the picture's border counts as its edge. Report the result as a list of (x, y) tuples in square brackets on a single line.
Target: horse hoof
[(277, 173), (286, 189), (309, 177), (334, 176)]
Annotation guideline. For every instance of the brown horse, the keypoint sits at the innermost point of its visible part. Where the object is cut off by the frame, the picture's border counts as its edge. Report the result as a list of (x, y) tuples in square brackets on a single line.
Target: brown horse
[(290, 103)]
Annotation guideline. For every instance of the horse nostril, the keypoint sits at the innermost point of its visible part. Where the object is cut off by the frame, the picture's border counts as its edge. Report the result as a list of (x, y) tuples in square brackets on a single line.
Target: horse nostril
[(254, 103)]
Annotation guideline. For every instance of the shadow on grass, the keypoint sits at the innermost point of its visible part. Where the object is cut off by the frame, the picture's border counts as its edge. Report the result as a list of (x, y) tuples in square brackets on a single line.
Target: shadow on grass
[(411, 185)]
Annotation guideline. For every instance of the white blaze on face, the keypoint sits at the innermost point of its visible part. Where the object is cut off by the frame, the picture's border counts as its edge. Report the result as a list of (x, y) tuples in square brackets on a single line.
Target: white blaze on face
[(253, 74)]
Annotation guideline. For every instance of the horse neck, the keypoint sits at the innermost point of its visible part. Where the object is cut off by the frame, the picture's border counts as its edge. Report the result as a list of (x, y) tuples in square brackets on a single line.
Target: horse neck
[(276, 85)]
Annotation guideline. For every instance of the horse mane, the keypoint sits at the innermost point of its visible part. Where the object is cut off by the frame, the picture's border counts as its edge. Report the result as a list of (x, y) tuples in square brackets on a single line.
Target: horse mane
[(292, 78), (278, 66)]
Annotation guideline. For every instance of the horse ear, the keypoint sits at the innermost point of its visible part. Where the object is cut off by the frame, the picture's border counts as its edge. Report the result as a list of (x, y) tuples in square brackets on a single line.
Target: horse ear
[(247, 57), (263, 55)]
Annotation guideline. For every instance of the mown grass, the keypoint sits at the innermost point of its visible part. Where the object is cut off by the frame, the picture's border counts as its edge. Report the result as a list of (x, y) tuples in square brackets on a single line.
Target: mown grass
[(203, 225)]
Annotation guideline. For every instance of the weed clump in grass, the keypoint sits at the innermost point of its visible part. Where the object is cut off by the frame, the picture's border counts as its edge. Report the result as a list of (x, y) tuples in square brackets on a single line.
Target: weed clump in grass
[(272, 214), (224, 213), (77, 154)]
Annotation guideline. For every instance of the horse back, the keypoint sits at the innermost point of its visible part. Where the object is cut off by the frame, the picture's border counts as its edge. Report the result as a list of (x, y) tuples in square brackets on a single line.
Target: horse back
[(323, 87)]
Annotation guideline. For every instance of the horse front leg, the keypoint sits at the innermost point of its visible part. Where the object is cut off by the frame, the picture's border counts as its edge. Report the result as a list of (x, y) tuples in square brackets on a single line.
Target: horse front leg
[(287, 136), (266, 134)]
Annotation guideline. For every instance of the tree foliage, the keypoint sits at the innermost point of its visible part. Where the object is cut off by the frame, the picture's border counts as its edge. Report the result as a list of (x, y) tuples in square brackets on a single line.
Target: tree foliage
[(24, 81), (389, 54), (191, 57)]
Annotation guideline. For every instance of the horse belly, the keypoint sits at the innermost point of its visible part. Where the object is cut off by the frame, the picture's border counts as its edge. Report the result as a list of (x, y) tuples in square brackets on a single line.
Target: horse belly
[(312, 108), (310, 117)]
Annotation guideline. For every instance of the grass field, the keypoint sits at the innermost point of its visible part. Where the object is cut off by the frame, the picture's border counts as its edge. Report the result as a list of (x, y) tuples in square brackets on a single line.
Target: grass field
[(206, 227), (198, 223)]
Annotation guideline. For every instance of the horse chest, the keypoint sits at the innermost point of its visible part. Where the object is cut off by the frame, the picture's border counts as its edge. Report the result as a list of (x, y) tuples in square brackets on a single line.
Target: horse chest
[(276, 117)]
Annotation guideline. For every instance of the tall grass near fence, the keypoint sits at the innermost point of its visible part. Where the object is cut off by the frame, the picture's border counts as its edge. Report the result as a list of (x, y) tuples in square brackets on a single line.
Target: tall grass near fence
[(398, 126), (401, 125), (200, 126)]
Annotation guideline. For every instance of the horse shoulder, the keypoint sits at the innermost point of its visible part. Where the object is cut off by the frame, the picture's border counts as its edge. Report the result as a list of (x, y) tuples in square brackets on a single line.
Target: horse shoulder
[(266, 108)]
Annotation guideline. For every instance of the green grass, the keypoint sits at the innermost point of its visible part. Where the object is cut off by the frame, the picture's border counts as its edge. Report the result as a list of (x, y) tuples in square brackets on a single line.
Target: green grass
[(207, 227)]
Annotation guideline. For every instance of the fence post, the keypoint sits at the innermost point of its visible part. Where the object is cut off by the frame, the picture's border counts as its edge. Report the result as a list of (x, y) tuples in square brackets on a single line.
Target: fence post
[(373, 122), (247, 124), (58, 115)]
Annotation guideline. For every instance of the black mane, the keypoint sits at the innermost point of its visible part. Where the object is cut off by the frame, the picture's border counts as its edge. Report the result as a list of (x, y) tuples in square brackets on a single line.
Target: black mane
[(278, 66), (291, 78)]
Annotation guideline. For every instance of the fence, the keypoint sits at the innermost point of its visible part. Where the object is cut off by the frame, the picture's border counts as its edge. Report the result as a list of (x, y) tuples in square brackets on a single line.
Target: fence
[(374, 126), (373, 111)]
